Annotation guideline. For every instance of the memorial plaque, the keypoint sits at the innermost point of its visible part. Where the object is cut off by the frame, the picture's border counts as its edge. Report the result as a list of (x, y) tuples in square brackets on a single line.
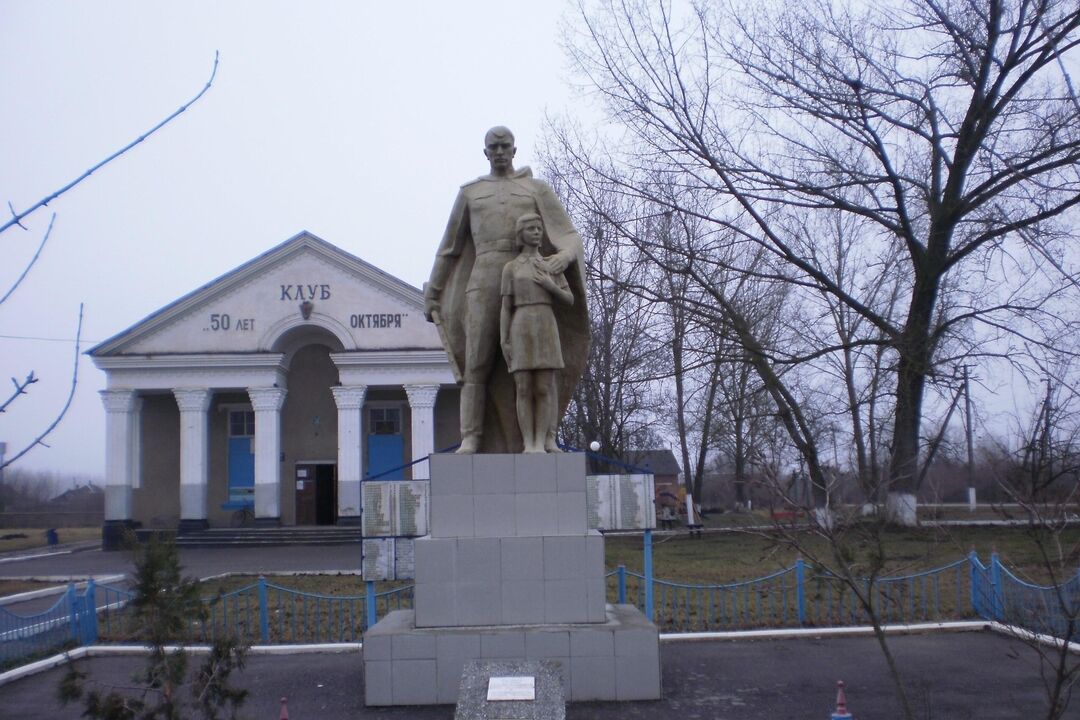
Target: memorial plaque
[(620, 502), (395, 508), (511, 688), (388, 559)]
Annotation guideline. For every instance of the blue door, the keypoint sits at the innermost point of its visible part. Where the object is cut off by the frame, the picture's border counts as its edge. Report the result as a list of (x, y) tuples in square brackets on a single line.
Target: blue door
[(241, 458), (385, 444)]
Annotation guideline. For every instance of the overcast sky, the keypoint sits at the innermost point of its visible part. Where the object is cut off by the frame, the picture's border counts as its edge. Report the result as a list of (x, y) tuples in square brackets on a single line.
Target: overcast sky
[(355, 121)]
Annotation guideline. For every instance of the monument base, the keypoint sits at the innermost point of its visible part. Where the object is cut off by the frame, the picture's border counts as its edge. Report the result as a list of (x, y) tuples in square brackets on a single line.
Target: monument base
[(615, 660)]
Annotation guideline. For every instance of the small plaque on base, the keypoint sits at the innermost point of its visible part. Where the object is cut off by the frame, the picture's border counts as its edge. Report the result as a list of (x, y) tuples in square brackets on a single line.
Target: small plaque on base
[(511, 688)]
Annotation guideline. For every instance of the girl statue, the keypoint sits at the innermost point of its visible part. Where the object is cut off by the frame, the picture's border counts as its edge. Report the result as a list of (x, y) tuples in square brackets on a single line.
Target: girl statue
[(530, 336)]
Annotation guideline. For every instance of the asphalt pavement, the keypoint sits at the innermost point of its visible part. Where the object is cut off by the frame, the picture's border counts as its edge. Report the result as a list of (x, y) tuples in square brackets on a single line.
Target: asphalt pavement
[(954, 676), (198, 562)]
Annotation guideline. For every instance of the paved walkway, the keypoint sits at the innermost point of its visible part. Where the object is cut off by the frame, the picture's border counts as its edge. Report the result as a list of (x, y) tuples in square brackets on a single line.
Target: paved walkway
[(199, 562), (958, 676)]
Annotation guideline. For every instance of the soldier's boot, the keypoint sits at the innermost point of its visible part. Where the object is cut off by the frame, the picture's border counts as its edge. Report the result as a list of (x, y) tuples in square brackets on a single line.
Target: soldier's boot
[(472, 418)]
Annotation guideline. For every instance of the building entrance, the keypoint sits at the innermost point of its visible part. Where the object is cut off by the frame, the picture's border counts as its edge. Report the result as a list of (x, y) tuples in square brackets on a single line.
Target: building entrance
[(316, 493)]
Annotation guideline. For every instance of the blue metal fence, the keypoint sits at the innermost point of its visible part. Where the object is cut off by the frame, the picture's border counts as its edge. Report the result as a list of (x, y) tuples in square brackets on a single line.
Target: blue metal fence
[(69, 621), (998, 594), (801, 595)]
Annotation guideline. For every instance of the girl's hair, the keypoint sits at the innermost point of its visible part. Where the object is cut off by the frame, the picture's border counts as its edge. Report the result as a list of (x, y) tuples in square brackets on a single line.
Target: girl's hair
[(521, 221)]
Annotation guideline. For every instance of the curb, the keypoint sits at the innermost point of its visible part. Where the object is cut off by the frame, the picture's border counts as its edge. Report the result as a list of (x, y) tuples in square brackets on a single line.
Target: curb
[(829, 632), (122, 650)]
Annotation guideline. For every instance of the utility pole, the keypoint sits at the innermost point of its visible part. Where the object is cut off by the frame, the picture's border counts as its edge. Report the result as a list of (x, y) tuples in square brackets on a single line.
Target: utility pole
[(970, 450), (1044, 450)]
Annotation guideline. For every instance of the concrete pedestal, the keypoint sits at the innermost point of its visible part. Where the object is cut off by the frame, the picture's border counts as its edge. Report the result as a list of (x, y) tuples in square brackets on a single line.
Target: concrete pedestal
[(614, 660), (510, 571)]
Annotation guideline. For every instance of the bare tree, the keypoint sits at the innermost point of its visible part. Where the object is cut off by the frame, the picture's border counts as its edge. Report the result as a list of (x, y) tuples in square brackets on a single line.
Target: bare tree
[(22, 387), (946, 134), (1041, 482)]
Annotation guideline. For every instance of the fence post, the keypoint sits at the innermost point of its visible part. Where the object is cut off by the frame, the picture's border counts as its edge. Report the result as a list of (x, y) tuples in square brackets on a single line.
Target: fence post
[(973, 564), (264, 612), (90, 632), (800, 588), (372, 607), (73, 611), (648, 575), (997, 601), (622, 584)]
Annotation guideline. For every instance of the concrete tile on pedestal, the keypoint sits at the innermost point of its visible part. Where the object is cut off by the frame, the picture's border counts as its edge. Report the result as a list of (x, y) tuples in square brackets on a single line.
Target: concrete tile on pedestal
[(592, 678), (435, 603), (452, 652), (596, 599), (502, 645), (494, 515), (565, 601), (378, 680), (522, 558), (493, 474), (592, 643), (435, 558), (572, 512), (534, 474), (377, 647), (413, 647), (638, 642), (594, 551), (637, 678), (570, 472), (478, 560), (523, 602), (451, 516), (414, 682), (564, 557), (544, 645), (536, 514), (451, 474), (478, 603)]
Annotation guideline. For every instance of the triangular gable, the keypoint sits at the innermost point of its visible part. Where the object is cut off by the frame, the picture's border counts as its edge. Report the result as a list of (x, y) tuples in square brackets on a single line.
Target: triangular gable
[(247, 309)]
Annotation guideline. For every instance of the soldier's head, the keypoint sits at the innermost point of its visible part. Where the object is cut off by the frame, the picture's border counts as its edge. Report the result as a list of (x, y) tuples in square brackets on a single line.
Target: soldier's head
[(499, 150)]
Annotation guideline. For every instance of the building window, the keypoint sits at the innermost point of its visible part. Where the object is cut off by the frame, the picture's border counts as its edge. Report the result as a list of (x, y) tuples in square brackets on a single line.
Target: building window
[(242, 423), (384, 421)]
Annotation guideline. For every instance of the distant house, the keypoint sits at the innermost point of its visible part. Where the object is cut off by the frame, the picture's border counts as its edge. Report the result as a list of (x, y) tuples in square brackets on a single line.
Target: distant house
[(664, 467), (87, 498)]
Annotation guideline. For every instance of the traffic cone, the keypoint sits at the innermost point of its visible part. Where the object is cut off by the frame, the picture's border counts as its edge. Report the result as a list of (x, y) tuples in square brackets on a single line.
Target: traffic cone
[(841, 712), (284, 709)]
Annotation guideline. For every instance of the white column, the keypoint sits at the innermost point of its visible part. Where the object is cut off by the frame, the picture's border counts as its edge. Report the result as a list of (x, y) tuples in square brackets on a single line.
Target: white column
[(135, 443), (267, 402), (422, 408), (350, 401), (118, 472), (194, 456)]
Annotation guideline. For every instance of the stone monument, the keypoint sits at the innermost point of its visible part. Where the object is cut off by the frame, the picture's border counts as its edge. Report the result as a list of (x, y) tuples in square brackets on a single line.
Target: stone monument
[(463, 294), (510, 570)]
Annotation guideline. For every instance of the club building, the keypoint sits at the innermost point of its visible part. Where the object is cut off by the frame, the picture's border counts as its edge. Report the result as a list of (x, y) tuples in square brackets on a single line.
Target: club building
[(278, 386)]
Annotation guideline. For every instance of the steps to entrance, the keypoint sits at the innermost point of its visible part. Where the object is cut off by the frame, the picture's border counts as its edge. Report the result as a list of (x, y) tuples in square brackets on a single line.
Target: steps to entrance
[(263, 537)]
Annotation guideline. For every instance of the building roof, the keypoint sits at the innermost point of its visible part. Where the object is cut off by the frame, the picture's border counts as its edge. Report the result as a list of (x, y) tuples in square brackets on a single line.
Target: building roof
[(661, 461), (229, 283)]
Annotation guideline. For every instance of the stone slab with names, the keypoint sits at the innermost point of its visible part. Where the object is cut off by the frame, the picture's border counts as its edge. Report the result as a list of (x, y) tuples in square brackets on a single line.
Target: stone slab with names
[(481, 677), (395, 508), (620, 502), (388, 559)]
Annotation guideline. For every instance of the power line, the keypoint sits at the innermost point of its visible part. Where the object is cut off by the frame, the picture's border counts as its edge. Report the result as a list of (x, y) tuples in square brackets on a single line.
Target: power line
[(44, 339)]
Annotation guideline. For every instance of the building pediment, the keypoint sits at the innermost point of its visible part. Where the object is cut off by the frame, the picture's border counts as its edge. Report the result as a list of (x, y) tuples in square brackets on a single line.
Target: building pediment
[(303, 284)]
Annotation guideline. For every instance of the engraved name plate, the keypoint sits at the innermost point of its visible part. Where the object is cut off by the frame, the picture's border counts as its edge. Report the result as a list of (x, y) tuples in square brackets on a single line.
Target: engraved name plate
[(511, 688)]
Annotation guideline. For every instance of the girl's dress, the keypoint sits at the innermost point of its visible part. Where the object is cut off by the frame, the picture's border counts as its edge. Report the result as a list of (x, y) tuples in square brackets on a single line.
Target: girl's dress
[(534, 334)]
